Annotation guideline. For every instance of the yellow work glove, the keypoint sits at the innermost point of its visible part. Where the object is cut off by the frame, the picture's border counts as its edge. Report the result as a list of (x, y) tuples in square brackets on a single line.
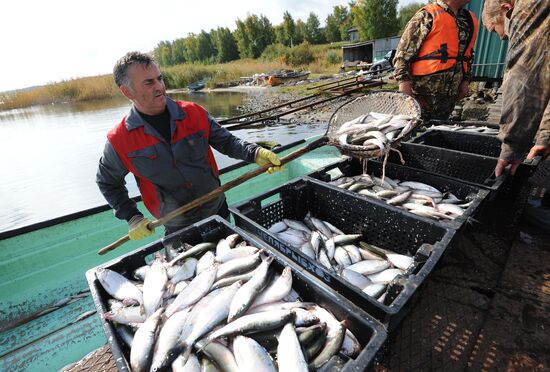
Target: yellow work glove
[(137, 227), (265, 157)]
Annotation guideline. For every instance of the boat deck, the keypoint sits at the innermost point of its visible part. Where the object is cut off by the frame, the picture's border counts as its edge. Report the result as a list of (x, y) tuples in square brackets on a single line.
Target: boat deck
[(486, 308)]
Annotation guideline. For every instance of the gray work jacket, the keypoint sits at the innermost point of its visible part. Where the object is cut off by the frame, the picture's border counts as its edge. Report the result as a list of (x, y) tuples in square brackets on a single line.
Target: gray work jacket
[(169, 175)]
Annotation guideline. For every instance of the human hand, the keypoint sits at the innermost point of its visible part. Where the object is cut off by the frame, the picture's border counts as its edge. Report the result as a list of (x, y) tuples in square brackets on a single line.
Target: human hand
[(501, 164), (406, 87), (137, 227), (265, 157), (463, 89), (539, 150)]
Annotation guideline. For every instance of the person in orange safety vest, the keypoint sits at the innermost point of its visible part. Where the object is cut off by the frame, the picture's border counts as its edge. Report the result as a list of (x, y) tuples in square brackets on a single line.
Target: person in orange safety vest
[(434, 56)]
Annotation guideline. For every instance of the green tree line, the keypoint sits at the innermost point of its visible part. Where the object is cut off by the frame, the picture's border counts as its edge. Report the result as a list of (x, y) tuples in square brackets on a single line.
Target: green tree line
[(255, 35)]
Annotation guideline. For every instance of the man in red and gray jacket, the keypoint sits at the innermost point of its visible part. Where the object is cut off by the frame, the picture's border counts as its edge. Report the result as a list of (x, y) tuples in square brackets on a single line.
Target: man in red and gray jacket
[(166, 144)]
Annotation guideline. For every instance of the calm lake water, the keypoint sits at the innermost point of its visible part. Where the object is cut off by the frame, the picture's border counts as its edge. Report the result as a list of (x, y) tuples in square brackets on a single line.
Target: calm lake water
[(50, 153)]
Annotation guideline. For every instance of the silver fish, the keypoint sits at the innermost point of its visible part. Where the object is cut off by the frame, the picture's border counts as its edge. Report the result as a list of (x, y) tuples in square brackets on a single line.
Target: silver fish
[(385, 276), (308, 250), (250, 356), (201, 247), (400, 261), (205, 262), (346, 238), (191, 365), (251, 323), (236, 253), (296, 225), (245, 296), (333, 228), (144, 340), (233, 239), (232, 279), (279, 288), (369, 266), (118, 286), (330, 248), (419, 186), (358, 280), (281, 305), (203, 321), (238, 265), (289, 351), (278, 227), (222, 246), (375, 289), (452, 209), (315, 240), (399, 199), (185, 271), (168, 337), (291, 239), (351, 346), (197, 288), (141, 272), (126, 315), (324, 260), (219, 354), (353, 252), (341, 257), (304, 318), (320, 225), (335, 337)]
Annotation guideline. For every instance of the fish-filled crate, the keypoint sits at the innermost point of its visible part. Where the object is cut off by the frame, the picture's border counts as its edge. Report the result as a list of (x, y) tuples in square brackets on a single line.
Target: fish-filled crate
[(477, 170), (373, 226), (473, 143), (479, 144), (225, 274), (437, 199)]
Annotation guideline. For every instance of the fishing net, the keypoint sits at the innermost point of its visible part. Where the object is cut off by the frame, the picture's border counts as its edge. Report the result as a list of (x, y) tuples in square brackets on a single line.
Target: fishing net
[(382, 102)]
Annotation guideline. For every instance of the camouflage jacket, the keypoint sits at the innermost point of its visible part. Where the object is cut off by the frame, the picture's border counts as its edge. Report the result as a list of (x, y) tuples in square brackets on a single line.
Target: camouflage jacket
[(436, 93), (526, 87)]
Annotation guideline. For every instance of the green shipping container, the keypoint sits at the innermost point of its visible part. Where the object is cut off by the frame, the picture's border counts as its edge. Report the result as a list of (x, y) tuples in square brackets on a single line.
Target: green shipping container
[(489, 50)]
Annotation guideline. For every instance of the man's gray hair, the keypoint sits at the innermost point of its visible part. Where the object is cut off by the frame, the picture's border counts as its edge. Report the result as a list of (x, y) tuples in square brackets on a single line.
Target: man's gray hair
[(120, 71)]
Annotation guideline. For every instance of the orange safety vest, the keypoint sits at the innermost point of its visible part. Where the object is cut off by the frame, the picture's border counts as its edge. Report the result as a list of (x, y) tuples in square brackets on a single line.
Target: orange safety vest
[(439, 51)]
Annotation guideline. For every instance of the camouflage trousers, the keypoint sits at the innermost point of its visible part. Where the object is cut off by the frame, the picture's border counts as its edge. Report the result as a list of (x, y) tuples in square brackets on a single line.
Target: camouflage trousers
[(437, 93)]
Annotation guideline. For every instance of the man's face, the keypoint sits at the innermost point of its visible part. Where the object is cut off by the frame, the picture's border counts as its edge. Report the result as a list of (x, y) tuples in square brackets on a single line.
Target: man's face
[(147, 89)]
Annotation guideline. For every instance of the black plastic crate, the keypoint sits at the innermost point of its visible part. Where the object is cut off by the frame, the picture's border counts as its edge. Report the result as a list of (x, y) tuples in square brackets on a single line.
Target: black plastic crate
[(473, 143), (476, 170), (379, 225), (369, 332), (352, 167), (510, 200)]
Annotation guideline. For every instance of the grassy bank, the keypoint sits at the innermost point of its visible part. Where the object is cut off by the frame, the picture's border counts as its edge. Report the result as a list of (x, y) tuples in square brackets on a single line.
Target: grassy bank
[(82, 89), (326, 61)]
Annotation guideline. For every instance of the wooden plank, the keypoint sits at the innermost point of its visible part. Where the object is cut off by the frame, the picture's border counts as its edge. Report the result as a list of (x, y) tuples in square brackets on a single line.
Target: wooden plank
[(59, 349), (36, 329)]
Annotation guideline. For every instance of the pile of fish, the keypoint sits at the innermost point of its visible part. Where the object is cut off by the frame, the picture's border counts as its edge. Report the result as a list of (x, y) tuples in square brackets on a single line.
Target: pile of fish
[(374, 131), (416, 197), (467, 129), (220, 304), (364, 265)]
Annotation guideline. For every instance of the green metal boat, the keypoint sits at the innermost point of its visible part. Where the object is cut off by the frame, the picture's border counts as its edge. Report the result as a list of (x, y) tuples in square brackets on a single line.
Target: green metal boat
[(47, 316)]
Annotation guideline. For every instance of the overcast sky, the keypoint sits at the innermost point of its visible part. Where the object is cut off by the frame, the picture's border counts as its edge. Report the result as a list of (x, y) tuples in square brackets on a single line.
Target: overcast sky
[(48, 41)]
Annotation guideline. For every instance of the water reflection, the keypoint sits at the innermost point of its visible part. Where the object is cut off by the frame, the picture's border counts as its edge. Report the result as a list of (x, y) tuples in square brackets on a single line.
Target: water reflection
[(50, 153), (218, 104)]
